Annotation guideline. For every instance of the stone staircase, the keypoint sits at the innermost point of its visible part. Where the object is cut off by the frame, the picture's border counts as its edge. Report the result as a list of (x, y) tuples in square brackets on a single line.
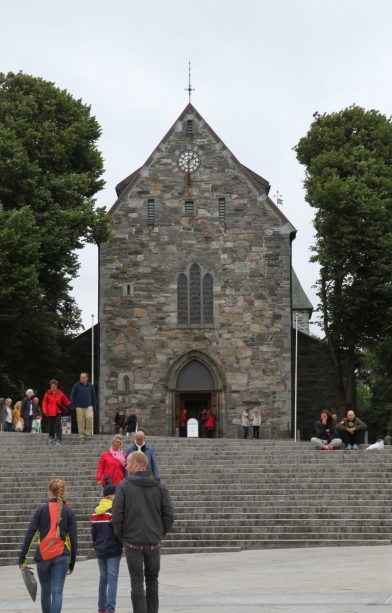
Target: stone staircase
[(227, 494)]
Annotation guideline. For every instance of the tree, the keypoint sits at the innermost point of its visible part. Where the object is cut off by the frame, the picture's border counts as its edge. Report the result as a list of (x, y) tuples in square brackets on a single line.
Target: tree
[(348, 181), (50, 170), (25, 325)]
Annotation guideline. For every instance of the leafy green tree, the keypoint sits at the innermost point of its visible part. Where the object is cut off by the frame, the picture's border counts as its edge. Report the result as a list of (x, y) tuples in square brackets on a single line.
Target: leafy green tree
[(374, 390), (348, 181), (50, 170), (25, 325)]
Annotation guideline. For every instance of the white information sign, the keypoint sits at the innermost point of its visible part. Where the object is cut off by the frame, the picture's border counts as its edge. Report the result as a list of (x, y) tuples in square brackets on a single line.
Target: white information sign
[(192, 428), (66, 423)]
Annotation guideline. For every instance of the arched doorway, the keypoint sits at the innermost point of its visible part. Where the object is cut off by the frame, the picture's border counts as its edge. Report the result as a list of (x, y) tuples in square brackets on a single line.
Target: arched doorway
[(195, 383)]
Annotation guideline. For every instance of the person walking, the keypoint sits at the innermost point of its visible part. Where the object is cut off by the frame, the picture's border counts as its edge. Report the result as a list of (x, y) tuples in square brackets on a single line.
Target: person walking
[(111, 464), (141, 445), (54, 516), (142, 514), (8, 415), (256, 423), (27, 412), (83, 399), (54, 404), (131, 423), (119, 420), (108, 549)]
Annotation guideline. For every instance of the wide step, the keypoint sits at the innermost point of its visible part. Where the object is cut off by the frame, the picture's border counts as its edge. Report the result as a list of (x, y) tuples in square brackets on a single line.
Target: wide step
[(228, 495)]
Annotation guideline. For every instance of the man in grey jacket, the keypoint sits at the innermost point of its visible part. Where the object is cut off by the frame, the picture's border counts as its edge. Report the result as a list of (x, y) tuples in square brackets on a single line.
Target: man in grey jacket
[(142, 514)]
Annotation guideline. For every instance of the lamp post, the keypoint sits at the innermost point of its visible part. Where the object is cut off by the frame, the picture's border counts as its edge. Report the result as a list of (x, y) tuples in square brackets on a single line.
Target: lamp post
[(92, 349)]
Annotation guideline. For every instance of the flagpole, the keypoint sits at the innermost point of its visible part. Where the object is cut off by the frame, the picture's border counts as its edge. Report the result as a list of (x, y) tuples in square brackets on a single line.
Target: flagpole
[(92, 349), (296, 378)]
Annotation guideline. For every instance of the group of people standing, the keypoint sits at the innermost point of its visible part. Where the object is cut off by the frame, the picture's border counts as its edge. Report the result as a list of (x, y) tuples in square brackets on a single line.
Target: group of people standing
[(251, 419), (206, 423), (29, 416), (133, 515), (24, 416), (331, 433)]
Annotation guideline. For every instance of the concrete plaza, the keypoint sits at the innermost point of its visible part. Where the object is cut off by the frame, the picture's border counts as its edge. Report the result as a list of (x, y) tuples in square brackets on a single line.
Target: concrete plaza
[(338, 580)]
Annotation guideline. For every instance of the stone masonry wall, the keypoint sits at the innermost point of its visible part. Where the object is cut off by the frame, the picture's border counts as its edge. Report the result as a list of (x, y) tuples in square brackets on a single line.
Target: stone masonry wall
[(248, 256), (316, 383)]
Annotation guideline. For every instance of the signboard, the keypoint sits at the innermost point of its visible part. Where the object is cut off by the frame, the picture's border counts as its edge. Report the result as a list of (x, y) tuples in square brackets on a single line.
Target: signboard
[(192, 428), (66, 424)]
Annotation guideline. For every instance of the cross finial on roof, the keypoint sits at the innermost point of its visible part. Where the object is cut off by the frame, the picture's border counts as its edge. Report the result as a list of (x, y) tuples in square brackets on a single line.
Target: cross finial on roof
[(189, 89)]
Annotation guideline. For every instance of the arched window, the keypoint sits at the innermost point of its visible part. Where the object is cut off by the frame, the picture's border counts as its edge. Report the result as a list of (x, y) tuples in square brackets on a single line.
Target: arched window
[(126, 383), (182, 299), (195, 298), (208, 299), (195, 295)]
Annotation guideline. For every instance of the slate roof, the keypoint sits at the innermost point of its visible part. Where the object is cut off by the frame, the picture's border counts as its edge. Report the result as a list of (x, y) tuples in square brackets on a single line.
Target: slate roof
[(300, 301)]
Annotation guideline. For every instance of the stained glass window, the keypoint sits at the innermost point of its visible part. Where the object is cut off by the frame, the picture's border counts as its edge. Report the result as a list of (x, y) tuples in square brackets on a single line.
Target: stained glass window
[(208, 300), (195, 298), (195, 295)]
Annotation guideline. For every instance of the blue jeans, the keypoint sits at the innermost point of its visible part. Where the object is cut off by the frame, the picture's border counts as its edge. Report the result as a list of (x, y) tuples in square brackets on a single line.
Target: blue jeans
[(51, 574), (8, 427), (108, 577), (144, 565)]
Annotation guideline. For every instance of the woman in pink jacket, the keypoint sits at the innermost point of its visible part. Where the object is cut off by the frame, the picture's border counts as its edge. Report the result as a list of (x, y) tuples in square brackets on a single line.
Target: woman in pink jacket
[(54, 404), (111, 465)]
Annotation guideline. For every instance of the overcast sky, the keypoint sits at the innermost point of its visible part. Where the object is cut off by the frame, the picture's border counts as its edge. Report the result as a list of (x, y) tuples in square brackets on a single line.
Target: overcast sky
[(260, 69)]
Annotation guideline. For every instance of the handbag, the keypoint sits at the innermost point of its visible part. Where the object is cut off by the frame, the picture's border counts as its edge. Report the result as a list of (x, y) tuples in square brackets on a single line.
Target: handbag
[(30, 582), (52, 545)]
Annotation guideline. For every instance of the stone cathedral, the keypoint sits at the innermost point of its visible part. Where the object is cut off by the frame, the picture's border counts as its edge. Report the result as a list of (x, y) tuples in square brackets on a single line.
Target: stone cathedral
[(196, 290)]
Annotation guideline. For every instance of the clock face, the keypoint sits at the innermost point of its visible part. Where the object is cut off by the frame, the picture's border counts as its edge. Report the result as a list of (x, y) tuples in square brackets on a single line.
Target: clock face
[(188, 161)]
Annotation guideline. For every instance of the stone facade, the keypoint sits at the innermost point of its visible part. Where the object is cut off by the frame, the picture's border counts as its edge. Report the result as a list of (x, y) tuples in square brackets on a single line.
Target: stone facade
[(317, 386), (197, 270)]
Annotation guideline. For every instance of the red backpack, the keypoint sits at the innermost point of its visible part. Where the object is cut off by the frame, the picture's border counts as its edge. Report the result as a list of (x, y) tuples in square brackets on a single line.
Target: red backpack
[(52, 545)]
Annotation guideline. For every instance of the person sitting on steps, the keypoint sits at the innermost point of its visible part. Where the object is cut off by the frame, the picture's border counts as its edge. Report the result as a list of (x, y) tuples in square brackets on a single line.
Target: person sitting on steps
[(326, 436), (351, 428)]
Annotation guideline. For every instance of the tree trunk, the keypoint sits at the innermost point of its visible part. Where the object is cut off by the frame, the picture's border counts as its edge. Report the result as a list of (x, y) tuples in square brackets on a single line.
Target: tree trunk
[(343, 364)]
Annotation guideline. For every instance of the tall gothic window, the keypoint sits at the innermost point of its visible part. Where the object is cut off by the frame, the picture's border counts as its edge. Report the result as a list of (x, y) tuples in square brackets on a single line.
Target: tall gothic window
[(195, 299), (208, 299), (195, 295), (182, 299)]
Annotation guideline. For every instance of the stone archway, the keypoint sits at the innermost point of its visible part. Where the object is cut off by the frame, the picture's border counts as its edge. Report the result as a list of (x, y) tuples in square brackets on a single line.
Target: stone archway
[(195, 378)]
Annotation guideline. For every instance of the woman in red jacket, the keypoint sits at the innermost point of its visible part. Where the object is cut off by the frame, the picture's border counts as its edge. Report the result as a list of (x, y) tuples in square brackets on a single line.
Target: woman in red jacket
[(111, 465), (54, 404)]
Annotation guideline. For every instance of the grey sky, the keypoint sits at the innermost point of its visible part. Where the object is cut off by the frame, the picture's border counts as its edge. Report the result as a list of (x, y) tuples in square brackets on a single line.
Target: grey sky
[(260, 70)]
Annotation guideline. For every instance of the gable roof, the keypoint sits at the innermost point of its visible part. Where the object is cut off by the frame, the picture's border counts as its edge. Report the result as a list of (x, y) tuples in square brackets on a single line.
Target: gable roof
[(300, 301), (258, 182)]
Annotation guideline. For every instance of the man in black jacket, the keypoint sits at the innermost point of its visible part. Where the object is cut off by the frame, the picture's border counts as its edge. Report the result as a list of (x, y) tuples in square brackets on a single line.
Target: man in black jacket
[(142, 514)]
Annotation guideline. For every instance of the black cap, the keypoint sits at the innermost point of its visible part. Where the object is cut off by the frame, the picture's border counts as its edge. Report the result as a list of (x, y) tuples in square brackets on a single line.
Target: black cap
[(108, 490)]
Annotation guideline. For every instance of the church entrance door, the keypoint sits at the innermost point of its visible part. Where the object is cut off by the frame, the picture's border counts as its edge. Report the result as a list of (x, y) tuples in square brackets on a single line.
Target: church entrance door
[(195, 403), (195, 383)]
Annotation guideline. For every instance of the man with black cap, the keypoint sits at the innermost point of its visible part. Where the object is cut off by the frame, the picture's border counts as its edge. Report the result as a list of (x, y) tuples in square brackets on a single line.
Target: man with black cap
[(108, 549), (142, 515)]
